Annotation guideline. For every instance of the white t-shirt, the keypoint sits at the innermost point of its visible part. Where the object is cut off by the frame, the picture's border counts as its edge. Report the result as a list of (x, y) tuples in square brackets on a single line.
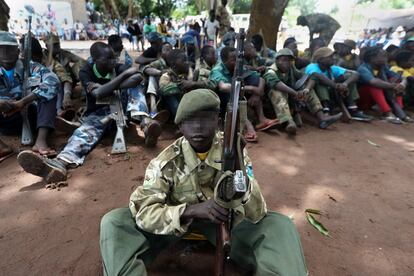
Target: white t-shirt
[(212, 28)]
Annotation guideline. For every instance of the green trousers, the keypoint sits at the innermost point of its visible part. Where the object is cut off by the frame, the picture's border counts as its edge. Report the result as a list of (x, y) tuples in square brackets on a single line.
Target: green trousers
[(280, 103), (325, 93), (270, 247)]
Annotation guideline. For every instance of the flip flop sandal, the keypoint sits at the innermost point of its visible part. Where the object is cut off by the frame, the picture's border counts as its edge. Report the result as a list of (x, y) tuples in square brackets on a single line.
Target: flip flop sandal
[(152, 131), (252, 138), (48, 152), (51, 170), (4, 157), (268, 125)]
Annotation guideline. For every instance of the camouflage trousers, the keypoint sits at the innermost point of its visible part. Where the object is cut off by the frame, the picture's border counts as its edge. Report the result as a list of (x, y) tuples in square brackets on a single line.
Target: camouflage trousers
[(270, 247), (92, 129), (327, 94), (280, 103)]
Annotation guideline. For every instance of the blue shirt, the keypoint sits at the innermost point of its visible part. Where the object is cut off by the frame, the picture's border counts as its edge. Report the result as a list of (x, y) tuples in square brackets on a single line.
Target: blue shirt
[(366, 73), (42, 82), (10, 74), (336, 71)]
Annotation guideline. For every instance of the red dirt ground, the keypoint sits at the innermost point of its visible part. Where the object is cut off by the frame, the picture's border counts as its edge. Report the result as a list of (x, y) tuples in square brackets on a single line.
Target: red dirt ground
[(367, 193)]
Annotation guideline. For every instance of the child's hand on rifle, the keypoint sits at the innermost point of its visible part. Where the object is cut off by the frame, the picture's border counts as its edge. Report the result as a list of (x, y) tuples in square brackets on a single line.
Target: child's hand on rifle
[(208, 210)]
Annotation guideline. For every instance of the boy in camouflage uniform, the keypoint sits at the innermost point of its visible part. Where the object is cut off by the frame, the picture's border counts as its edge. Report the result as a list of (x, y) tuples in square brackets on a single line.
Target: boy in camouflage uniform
[(253, 61), (203, 69), (281, 78), (43, 85), (343, 55), (177, 81), (99, 80), (178, 197), (50, 59)]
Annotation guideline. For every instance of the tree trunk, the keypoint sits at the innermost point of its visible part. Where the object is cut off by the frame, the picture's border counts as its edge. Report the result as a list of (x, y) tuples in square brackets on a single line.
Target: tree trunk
[(265, 18), (113, 8), (130, 6)]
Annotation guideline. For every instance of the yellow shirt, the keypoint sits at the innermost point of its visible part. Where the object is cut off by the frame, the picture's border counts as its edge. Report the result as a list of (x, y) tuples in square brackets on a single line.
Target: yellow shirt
[(202, 156), (408, 72)]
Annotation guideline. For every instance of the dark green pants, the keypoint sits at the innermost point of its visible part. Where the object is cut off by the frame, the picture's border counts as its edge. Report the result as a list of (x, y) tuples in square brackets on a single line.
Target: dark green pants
[(325, 93), (270, 247)]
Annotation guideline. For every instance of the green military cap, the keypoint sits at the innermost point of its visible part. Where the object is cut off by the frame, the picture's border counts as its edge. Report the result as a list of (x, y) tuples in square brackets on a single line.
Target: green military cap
[(7, 39), (194, 101), (284, 52), (322, 53), (347, 42), (52, 39)]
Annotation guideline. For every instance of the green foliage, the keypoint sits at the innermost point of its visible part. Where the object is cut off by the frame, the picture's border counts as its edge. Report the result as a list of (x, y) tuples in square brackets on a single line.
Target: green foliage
[(163, 8), (305, 6), (241, 6), (145, 7)]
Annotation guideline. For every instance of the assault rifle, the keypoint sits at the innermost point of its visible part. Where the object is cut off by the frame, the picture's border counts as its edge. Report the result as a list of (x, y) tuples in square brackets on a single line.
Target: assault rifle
[(117, 114), (27, 135), (232, 184)]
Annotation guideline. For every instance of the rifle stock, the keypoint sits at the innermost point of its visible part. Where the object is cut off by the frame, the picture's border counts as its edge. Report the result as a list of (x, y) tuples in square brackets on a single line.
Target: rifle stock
[(231, 154), (27, 135), (119, 145), (117, 114)]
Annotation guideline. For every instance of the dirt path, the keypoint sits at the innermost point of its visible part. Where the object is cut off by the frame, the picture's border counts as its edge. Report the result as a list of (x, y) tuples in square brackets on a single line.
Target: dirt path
[(367, 193)]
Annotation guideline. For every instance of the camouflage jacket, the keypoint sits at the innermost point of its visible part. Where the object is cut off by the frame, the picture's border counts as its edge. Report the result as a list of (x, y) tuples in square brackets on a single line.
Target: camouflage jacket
[(224, 21), (43, 83), (57, 68), (71, 62), (170, 83), (202, 73), (319, 22), (272, 76), (177, 178), (159, 64)]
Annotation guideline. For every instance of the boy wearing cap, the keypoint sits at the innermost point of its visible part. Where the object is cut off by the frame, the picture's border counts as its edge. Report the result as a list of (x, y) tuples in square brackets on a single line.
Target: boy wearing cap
[(178, 197), (280, 79), (99, 80), (43, 85), (343, 55), (333, 79)]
